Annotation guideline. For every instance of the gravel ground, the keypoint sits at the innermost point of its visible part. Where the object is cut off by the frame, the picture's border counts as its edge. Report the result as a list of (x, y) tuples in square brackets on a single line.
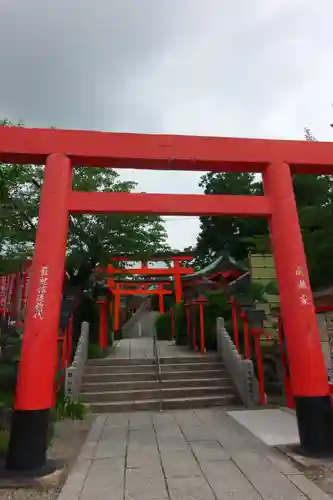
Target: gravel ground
[(67, 442), (322, 476)]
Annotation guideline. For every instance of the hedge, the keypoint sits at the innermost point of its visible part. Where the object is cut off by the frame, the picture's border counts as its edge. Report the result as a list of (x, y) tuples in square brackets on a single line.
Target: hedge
[(163, 326), (216, 306)]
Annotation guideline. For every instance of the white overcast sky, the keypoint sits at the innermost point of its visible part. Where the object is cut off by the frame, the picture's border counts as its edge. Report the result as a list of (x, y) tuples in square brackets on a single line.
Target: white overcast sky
[(244, 68)]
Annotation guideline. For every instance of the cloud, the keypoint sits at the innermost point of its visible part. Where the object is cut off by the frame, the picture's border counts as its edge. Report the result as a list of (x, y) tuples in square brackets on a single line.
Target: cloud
[(240, 68)]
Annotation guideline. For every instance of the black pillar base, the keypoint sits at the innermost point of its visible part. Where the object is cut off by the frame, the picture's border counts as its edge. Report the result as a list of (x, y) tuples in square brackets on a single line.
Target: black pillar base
[(28, 440), (315, 425)]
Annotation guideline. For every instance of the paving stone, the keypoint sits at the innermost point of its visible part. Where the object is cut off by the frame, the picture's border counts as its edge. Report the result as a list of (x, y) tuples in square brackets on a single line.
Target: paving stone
[(112, 448), (227, 481), (280, 461), (233, 437), (140, 420), (308, 487), (89, 448), (209, 451), (105, 480), (267, 479), (142, 436), (196, 467), (145, 484), (163, 419), (142, 450), (186, 418), (198, 433), (180, 464), (190, 488), (143, 460), (171, 439), (73, 486), (117, 420), (113, 434)]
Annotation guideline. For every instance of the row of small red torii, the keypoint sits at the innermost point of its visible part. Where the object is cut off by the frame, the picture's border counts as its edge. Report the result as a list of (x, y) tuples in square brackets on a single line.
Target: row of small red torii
[(177, 271), (16, 284), (61, 150)]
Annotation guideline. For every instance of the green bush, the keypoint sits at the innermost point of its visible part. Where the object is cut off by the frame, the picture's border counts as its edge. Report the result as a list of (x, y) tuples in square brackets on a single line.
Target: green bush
[(163, 327), (66, 408), (180, 324), (216, 306), (95, 352)]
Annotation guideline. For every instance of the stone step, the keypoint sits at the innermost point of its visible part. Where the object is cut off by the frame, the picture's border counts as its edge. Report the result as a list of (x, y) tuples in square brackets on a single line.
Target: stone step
[(191, 366), (228, 399), (138, 369), (152, 384), (152, 376), (178, 374), (208, 358), (129, 385), (151, 361), (121, 361), (156, 393), (157, 404), (118, 377), (90, 369)]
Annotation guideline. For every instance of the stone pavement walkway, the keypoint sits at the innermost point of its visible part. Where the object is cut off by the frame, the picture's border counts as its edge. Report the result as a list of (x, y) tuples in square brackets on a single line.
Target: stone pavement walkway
[(144, 348), (181, 455)]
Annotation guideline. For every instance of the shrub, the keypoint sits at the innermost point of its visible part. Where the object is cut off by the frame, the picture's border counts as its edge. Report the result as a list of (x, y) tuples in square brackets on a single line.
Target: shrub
[(216, 306), (163, 327), (180, 324), (95, 352), (66, 408)]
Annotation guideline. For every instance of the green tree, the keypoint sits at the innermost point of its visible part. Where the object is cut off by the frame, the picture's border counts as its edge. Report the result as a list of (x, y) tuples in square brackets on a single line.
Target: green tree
[(237, 237), (228, 234), (92, 238)]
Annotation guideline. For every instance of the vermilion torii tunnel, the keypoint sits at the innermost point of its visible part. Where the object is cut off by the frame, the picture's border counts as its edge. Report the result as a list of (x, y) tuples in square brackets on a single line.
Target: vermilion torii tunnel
[(62, 150)]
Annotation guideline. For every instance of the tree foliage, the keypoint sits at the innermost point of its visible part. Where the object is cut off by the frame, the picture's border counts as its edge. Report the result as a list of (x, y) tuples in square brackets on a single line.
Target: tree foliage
[(238, 237), (91, 239), (228, 234)]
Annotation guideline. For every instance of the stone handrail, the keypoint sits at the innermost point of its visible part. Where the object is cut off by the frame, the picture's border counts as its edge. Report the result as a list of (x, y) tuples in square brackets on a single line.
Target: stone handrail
[(240, 369), (74, 373)]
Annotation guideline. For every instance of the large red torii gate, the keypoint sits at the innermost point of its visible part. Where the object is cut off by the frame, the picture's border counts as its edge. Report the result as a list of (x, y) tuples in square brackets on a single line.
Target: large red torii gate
[(60, 150)]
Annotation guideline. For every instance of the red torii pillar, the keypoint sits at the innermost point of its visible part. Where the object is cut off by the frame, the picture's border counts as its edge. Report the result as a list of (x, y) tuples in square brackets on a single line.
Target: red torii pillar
[(235, 322), (39, 352), (307, 368), (161, 300), (116, 318), (188, 322), (201, 301), (103, 324), (178, 283)]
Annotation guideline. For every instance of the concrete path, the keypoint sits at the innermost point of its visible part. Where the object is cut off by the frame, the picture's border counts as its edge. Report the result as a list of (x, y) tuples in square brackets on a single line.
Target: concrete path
[(275, 426), (143, 325), (144, 348), (181, 455)]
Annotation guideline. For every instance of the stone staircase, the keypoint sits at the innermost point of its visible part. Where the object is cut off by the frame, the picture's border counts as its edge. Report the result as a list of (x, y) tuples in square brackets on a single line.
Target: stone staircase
[(119, 385)]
